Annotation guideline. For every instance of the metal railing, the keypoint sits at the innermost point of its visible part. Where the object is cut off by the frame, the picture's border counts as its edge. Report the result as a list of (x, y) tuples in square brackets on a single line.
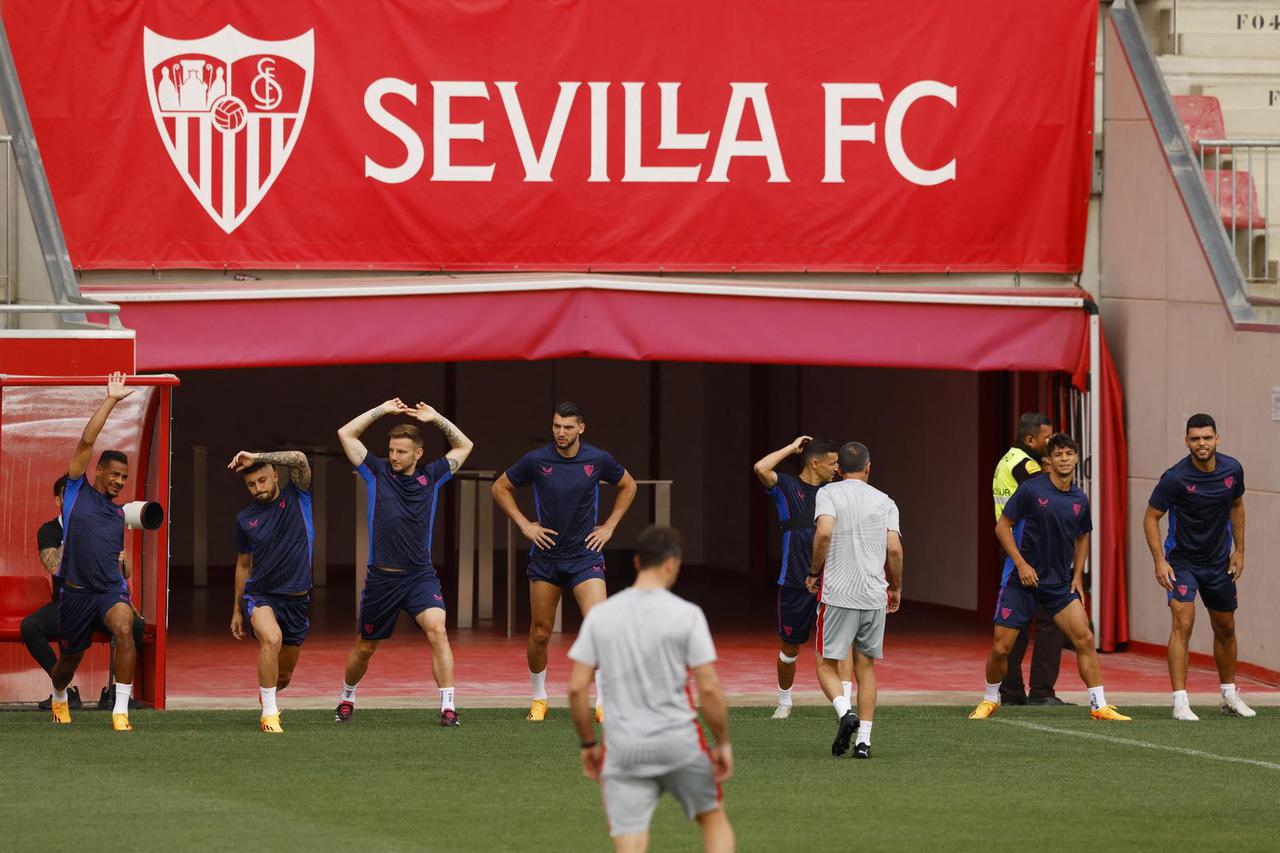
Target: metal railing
[(1247, 220)]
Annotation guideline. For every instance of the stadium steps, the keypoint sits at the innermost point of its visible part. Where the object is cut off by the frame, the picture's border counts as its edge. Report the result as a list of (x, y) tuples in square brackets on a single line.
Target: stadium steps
[(1225, 78)]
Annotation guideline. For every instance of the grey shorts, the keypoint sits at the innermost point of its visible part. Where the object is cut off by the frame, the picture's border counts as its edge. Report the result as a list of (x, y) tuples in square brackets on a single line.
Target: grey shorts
[(629, 801), (840, 628)]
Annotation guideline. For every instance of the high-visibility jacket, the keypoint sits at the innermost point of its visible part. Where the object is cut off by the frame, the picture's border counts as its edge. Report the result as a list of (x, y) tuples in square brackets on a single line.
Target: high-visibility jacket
[(1003, 483)]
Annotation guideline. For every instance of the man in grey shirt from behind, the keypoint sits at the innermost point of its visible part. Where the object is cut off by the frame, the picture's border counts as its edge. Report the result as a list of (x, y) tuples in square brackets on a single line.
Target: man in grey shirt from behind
[(646, 641)]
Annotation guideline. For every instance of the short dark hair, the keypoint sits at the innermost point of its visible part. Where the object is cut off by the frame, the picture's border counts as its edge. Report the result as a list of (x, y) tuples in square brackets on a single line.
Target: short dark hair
[(1201, 420), (59, 486), (854, 457), (1061, 440), (570, 410), (657, 544), (817, 448), (255, 467), (1029, 425), (408, 431), (109, 456)]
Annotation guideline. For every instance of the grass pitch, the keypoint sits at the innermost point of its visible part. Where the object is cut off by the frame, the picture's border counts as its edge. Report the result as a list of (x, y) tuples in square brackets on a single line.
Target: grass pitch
[(394, 780)]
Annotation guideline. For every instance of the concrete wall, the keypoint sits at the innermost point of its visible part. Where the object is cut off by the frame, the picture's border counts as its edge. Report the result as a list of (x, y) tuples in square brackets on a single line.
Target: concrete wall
[(704, 444), (1178, 354)]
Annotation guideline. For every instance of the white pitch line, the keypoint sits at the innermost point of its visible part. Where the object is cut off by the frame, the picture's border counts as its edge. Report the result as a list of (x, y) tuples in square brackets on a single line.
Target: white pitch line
[(1195, 753)]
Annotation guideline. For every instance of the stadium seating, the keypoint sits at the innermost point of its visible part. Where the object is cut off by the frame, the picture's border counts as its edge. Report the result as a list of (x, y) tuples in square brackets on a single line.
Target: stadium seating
[(1221, 62), (1202, 117), (20, 594)]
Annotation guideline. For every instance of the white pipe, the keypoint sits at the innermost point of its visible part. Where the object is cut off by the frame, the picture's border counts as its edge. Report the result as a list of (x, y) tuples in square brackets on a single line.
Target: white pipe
[(1095, 474), (655, 285)]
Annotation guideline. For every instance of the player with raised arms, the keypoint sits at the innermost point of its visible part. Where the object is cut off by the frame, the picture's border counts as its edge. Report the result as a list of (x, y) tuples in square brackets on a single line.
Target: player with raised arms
[(403, 493), (275, 535), (568, 544), (95, 594)]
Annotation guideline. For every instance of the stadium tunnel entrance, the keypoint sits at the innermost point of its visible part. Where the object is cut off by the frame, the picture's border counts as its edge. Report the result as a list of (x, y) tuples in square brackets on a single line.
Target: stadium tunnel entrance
[(683, 382)]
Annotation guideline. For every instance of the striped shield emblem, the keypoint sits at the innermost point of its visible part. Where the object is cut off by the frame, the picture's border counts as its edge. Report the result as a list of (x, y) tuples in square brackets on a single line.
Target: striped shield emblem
[(229, 109)]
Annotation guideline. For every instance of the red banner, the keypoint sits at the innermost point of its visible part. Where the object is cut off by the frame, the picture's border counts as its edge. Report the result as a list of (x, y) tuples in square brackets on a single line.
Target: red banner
[(849, 135)]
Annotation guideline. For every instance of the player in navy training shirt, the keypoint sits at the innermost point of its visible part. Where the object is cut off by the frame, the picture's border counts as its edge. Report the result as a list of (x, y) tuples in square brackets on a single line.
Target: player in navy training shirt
[(275, 535), (403, 494), (94, 592), (1204, 497), (1046, 570), (793, 500), (568, 544)]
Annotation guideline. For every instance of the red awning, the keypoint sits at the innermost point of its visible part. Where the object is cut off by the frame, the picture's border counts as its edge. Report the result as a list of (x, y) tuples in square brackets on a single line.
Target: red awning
[(318, 323)]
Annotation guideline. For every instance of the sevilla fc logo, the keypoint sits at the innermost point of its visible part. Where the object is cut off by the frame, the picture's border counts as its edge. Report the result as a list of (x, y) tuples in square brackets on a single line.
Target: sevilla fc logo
[(1182, 589), (1006, 612), (422, 479), (1229, 481), (229, 109), (1075, 508), (587, 469)]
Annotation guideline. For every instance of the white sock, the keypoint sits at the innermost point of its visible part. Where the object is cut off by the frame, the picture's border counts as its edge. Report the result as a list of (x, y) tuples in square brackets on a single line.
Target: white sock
[(784, 697), (993, 692), (864, 732), (349, 692), (1228, 690), (1097, 698), (59, 695), (1180, 699), (539, 682), (841, 705), (268, 695), (599, 692), (446, 699), (847, 686), (122, 698)]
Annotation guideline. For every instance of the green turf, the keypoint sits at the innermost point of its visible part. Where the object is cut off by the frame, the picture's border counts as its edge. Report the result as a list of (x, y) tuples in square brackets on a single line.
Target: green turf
[(393, 780)]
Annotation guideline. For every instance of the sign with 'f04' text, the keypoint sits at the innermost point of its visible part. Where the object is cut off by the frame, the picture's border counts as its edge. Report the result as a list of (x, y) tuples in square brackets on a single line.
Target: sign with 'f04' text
[(851, 135)]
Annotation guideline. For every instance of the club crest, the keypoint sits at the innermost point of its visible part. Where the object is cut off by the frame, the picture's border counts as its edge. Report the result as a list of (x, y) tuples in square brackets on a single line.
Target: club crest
[(588, 469), (1182, 589), (1229, 481), (1006, 612), (229, 109), (1075, 508)]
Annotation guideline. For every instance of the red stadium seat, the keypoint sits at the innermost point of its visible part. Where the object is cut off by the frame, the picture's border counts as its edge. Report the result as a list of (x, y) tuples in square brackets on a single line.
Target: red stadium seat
[(1226, 186), (1202, 117), (20, 595)]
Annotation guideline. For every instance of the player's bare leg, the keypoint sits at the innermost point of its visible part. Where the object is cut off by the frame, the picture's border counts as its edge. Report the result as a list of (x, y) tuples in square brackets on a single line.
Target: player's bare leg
[(119, 621), (1183, 615), (270, 640), (431, 621), (1224, 654), (1224, 644), (1074, 624), (997, 665), (588, 594), (62, 673), (286, 662), (544, 598), (717, 834)]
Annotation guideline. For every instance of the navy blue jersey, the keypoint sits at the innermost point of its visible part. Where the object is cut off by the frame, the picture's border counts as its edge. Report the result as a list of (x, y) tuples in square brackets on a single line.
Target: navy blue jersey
[(793, 499), (93, 540), (279, 535), (566, 494), (1047, 521), (1199, 507), (402, 511)]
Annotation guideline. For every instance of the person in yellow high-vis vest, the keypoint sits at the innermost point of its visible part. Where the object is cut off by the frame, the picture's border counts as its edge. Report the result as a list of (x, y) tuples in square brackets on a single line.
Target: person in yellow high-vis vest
[(1020, 463)]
